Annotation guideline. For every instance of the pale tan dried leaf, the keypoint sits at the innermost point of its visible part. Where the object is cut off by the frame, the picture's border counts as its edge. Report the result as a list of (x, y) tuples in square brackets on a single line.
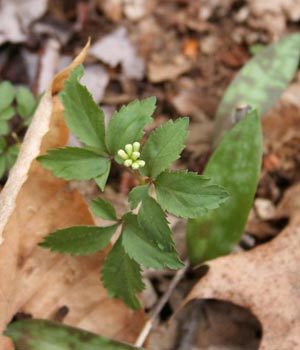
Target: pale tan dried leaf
[(265, 280), (33, 280)]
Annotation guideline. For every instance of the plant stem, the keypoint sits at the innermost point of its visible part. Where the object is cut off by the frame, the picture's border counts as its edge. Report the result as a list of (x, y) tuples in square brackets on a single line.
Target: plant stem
[(164, 299)]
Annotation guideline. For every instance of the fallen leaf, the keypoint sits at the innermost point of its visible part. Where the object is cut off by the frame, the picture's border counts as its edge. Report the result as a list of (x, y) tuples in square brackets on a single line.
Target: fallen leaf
[(16, 17), (265, 280), (116, 48), (33, 203)]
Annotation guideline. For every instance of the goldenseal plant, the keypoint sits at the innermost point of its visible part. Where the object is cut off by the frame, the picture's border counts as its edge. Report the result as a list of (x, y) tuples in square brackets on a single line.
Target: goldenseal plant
[(145, 237)]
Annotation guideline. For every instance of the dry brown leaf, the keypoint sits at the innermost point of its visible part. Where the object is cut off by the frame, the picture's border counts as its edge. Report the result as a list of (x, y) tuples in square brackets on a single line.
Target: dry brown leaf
[(265, 280), (33, 203)]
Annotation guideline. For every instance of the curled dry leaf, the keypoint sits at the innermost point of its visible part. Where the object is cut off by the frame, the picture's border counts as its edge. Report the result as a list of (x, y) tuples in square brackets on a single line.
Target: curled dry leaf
[(265, 280), (32, 204)]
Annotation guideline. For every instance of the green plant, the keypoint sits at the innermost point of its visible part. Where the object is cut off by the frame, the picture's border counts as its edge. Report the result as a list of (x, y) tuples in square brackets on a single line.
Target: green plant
[(145, 237), (13, 102)]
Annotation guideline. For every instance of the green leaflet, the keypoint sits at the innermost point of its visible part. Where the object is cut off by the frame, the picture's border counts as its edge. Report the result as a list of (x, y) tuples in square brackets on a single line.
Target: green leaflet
[(126, 125), (2, 165), (103, 209), (26, 102), (79, 240), (164, 146), (186, 194), (7, 94), (74, 163), (145, 247), (137, 194), (260, 82), (122, 276), (7, 113), (4, 128), (84, 118), (46, 335), (235, 164), (102, 179)]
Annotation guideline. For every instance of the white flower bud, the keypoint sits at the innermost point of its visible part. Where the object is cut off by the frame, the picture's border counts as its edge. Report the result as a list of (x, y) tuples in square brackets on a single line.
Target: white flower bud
[(141, 163), (135, 165), (122, 154), (128, 162), (135, 155), (136, 146), (128, 149)]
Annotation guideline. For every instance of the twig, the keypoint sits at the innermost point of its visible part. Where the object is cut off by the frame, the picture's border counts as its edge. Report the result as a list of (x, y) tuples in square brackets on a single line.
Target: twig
[(164, 299)]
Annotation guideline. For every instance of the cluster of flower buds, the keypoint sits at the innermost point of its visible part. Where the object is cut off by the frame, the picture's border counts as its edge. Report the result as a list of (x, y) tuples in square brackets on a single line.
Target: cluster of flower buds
[(131, 156)]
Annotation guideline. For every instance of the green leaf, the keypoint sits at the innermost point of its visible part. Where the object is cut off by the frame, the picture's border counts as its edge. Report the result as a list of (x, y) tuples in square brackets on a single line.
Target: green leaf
[(7, 113), (235, 164), (7, 94), (164, 146), (261, 81), (79, 240), (144, 245), (74, 163), (122, 276), (137, 194), (84, 117), (126, 125), (102, 179), (26, 102), (4, 127), (103, 209), (12, 155), (3, 144), (47, 335), (2, 165), (188, 195)]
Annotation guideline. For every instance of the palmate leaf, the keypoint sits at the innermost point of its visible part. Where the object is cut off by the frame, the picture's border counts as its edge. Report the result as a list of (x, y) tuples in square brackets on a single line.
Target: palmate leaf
[(26, 102), (79, 240), (126, 125), (103, 209), (122, 276), (146, 248), (186, 194), (102, 179), (260, 82), (235, 164), (164, 146), (7, 94), (84, 117), (47, 335), (137, 194), (74, 163)]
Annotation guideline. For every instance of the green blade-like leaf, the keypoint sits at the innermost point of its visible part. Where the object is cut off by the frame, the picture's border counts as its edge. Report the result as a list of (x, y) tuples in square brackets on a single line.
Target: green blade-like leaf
[(261, 81), (126, 125), (235, 164), (103, 209), (164, 146), (188, 195), (7, 113), (79, 240), (102, 179), (7, 94), (137, 194), (84, 117), (146, 248), (26, 102), (46, 335), (74, 163), (122, 276)]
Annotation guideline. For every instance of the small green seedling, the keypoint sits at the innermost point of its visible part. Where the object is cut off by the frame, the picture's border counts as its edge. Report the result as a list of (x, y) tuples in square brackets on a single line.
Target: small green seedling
[(145, 238), (13, 102)]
